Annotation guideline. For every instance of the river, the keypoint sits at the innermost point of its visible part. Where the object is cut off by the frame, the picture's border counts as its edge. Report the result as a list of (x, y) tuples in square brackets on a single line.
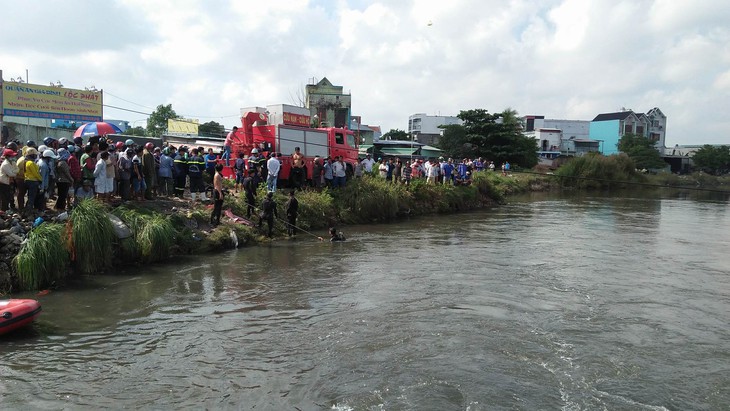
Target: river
[(573, 302)]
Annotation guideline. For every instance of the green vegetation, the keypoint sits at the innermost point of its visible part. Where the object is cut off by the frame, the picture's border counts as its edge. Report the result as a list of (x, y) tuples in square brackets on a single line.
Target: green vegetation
[(43, 260), (641, 150), (156, 238), (92, 236), (711, 159), (496, 137), (89, 241), (157, 123), (598, 171)]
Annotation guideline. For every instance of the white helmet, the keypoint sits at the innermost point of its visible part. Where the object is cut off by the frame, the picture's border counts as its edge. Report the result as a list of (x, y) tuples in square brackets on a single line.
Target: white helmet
[(255, 151), (49, 153)]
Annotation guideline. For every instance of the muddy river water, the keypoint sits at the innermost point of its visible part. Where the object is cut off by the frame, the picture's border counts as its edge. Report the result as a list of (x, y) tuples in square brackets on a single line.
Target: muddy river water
[(575, 302)]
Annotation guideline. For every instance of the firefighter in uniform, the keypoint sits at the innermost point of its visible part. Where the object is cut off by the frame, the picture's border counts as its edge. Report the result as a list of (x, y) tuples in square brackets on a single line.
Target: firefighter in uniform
[(180, 166)]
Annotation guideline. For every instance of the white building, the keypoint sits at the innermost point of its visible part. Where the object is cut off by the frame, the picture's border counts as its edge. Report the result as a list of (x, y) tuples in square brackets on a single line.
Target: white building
[(557, 136), (425, 129)]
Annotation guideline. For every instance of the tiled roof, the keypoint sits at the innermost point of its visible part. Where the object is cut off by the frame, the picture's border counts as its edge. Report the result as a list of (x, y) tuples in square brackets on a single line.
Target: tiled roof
[(621, 115)]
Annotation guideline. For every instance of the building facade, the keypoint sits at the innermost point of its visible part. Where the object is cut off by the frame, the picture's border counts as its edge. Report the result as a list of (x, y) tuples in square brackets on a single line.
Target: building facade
[(557, 137), (328, 105), (610, 127), (425, 129)]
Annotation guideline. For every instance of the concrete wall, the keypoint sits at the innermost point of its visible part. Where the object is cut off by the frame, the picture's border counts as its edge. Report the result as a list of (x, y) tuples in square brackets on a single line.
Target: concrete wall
[(25, 132)]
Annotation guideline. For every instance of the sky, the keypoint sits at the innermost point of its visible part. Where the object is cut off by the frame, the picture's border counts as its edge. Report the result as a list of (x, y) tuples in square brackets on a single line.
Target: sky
[(564, 59)]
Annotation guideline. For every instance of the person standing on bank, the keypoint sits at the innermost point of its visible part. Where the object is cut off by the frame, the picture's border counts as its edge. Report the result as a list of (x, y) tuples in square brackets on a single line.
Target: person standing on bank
[(292, 208), (180, 171), (268, 212), (272, 166), (298, 173), (215, 216)]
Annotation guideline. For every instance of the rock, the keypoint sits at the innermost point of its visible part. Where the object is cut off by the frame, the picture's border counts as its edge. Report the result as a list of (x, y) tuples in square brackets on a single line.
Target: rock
[(120, 229)]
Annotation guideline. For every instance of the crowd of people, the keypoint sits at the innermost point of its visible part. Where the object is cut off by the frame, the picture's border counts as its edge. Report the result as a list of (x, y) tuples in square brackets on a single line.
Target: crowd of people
[(59, 173), (68, 171), (434, 171)]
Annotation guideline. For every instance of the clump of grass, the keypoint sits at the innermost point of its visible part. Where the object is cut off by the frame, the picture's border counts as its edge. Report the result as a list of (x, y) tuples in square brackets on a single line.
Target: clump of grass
[(598, 171), (155, 238), (92, 236), (316, 210), (43, 259), (370, 199)]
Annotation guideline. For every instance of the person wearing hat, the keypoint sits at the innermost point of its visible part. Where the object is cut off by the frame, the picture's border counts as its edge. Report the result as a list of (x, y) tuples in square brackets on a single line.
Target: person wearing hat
[(63, 178), (180, 170), (33, 179), (86, 191), (8, 171), (124, 164), (165, 175), (46, 164), (20, 179)]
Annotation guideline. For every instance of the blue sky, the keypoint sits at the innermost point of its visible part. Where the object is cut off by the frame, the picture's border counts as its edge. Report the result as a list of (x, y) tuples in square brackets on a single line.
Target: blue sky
[(570, 59)]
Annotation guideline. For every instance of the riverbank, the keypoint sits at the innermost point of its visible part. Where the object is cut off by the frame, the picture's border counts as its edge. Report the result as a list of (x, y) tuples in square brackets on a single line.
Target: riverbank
[(96, 237)]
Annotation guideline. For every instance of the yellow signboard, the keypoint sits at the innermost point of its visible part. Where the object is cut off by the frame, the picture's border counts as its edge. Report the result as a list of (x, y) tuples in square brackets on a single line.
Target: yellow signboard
[(182, 126), (32, 100)]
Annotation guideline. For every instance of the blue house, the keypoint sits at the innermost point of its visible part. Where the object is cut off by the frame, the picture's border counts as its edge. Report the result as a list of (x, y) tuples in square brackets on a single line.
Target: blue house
[(610, 127)]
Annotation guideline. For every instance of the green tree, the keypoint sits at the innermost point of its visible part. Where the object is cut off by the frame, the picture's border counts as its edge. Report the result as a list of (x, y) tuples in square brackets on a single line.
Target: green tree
[(212, 129), (157, 123), (135, 131), (497, 137), (641, 150), (712, 159), (395, 134)]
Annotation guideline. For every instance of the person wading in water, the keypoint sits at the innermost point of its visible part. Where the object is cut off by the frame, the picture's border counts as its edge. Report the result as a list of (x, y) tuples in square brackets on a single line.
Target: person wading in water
[(292, 208), (268, 212)]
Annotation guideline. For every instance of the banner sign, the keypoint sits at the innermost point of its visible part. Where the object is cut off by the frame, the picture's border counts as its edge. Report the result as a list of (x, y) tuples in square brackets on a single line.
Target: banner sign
[(32, 100), (182, 126), (291, 119)]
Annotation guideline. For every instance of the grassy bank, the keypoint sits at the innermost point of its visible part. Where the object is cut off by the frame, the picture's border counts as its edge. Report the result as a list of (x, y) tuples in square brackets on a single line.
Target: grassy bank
[(86, 244)]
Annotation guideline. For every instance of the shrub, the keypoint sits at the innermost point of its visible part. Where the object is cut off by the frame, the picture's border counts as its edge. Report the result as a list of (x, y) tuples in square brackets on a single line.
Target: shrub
[(598, 171), (155, 238), (43, 259), (92, 236)]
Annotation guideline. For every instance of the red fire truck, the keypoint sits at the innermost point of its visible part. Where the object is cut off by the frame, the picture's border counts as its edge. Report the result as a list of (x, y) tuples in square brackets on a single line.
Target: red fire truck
[(256, 131)]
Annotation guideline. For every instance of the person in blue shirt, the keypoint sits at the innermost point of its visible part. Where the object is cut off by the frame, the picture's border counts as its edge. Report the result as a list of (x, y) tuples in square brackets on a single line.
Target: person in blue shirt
[(165, 173), (462, 168), (210, 160), (447, 169)]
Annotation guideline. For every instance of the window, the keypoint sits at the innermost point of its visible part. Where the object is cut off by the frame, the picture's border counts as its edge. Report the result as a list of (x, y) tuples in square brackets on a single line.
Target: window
[(640, 130), (339, 138), (628, 128), (351, 140)]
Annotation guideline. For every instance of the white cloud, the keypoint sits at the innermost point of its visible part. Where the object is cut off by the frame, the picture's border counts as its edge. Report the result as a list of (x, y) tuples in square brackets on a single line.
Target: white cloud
[(563, 59)]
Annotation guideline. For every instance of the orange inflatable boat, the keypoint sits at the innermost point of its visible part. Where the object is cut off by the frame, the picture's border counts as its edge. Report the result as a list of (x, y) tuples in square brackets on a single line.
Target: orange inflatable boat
[(17, 313)]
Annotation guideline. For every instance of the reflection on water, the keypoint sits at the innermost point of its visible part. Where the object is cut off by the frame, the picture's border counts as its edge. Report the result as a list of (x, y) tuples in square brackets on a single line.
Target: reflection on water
[(575, 302)]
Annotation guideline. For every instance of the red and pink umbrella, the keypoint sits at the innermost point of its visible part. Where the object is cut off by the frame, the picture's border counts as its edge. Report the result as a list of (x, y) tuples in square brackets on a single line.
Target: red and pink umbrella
[(97, 129)]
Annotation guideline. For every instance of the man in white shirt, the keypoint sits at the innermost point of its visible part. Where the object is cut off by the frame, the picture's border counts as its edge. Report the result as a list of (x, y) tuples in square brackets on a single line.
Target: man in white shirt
[(367, 163), (273, 166)]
